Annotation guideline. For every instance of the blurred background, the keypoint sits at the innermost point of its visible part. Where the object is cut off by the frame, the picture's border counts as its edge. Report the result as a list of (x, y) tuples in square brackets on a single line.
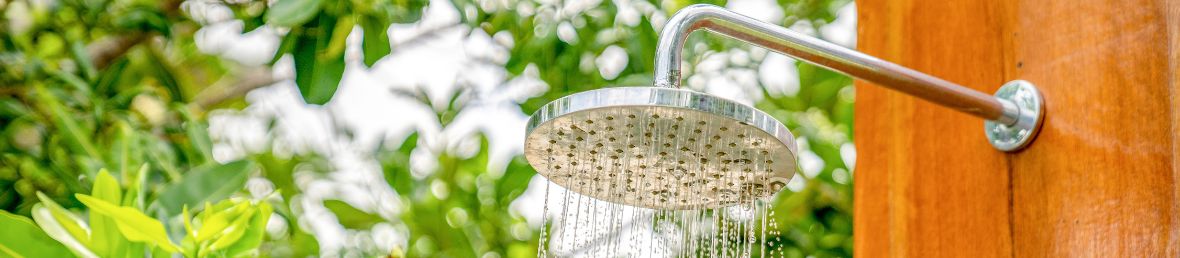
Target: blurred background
[(375, 127)]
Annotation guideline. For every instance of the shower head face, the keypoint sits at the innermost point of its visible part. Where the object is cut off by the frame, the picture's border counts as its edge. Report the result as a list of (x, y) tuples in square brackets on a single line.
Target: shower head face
[(660, 148)]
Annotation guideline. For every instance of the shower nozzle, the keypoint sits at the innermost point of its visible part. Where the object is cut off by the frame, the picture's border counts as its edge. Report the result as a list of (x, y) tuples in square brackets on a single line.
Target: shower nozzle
[(660, 148), (667, 148)]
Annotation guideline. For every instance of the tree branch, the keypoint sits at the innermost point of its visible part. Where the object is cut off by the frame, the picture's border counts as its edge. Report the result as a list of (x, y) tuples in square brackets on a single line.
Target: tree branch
[(105, 50), (250, 80)]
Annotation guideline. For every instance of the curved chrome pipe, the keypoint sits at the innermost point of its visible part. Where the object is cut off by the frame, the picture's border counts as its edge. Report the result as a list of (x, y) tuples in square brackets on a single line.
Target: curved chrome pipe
[(1011, 114)]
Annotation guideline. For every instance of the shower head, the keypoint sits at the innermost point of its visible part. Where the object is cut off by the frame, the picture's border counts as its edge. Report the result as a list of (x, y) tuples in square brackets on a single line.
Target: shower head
[(658, 147), (667, 148)]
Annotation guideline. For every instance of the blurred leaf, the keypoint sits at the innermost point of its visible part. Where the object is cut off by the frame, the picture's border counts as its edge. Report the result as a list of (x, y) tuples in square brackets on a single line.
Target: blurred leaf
[(144, 18), (286, 45), (63, 228), (254, 233), (291, 13), (317, 75), (208, 183), (82, 58), (402, 11), (234, 232), (109, 78), (396, 165), (80, 140), (133, 224), (105, 239), (515, 180), (74, 81), (375, 42), (68, 222), (198, 136), (214, 220), (166, 75), (304, 244), (339, 36), (351, 217), (21, 238)]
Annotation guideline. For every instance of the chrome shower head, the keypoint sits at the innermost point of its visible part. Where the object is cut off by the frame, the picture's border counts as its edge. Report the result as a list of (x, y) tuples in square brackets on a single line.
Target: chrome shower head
[(659, 147), (662, 147)]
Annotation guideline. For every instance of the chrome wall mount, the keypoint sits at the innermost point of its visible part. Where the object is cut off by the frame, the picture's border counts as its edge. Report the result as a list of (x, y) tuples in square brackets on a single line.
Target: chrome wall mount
[(1011, 137), (1013, 116)]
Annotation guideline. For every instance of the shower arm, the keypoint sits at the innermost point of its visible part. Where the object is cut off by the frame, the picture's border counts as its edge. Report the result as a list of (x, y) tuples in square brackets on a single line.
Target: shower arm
[(1013, 115)]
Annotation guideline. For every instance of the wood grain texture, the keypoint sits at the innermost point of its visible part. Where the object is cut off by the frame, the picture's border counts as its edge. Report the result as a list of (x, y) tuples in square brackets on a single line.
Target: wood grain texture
[(1101, 178)]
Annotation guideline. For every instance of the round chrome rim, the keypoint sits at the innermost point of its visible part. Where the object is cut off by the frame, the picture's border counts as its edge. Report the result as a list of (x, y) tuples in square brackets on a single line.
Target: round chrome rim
[(759, 128), (661, 96)]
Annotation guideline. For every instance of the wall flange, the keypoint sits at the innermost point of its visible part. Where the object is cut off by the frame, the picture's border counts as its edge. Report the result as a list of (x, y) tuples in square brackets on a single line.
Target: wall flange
[(1015, 136)]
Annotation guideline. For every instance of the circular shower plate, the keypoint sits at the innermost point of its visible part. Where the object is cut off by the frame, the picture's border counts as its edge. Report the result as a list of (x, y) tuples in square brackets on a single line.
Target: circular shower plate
[(663, 148)]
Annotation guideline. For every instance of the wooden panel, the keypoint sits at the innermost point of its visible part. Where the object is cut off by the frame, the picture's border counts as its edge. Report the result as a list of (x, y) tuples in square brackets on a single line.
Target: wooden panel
[(1100, 180), (926, 175)]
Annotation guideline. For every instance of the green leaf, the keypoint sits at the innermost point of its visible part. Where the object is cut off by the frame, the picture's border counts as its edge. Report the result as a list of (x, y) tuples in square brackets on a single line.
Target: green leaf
[(234, 232), (104, 235), (515, 180), (396, 165), (213, 221), (62, 227), (375, 42), (109, 78), (187, 218), (82, 58), (351, 217), (304, 244), (402, 11), (70, 79), (317, 75), (137, 191), (69, 222), (134, 225), (340, 33), (205, 184), (286, 45), (22, 238), (291, 13), (198, 136), (79, 139), (167, 75), (254, 233)]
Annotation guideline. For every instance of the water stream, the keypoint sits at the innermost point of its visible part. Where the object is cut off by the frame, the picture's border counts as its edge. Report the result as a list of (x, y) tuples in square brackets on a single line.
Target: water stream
[(661, 183)]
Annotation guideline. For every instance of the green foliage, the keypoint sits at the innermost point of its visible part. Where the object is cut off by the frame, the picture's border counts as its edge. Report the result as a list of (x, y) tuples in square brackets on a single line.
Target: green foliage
[(22, 238), (318, 32), (230, 228), (209, 183), (460, 209), (133, 224), (280, 170), (84, 88), (87, 85), (317, 69), (351, 217), (291, 13)]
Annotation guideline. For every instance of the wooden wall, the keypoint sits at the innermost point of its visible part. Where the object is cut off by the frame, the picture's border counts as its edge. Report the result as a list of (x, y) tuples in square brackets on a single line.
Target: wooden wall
[(1100, 179)]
